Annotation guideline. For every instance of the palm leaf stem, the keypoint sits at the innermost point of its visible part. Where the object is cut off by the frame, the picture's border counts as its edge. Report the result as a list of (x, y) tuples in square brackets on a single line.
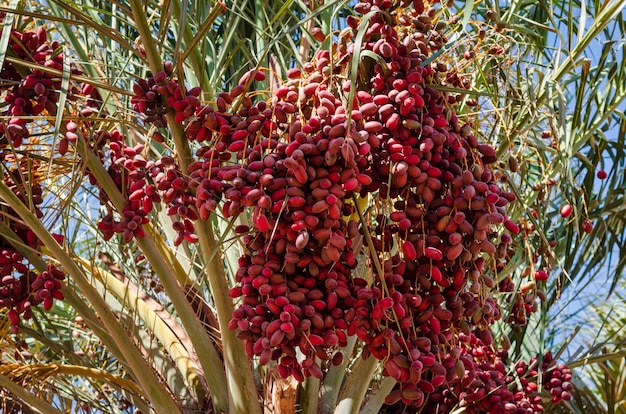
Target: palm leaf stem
[(168, 272), (43, 406), (334, 378), (309, 397), (356, 386), (140, 370), (376, 400), (608, 13), (198, 67), (129, 296), (71, 297)]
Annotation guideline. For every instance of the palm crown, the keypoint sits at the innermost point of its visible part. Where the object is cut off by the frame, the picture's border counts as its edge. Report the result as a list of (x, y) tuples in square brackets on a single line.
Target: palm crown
[(369, 207)]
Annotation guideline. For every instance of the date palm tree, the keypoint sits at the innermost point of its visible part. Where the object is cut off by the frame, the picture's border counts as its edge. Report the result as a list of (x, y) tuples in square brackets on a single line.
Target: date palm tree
[(144, 321)]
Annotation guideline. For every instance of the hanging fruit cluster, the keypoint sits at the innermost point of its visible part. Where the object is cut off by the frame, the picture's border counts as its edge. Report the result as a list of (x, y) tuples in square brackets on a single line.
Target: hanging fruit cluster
[(28, 92), (301, 165), (299, 161)]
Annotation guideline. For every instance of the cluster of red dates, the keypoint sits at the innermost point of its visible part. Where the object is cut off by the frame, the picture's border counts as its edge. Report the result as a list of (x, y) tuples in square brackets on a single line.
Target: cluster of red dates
[(299, 165), (27, 94)]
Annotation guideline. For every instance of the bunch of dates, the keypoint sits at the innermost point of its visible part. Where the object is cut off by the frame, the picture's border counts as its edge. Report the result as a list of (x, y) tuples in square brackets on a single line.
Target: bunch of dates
[(374, 211), (27, 92)]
